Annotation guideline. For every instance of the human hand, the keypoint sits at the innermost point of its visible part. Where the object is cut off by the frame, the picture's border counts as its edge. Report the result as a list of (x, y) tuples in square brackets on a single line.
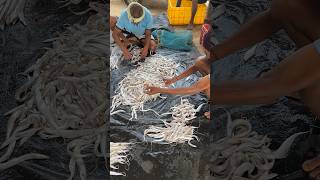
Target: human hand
[(127, 44), (127, 55), (144, 53), (150, 90)]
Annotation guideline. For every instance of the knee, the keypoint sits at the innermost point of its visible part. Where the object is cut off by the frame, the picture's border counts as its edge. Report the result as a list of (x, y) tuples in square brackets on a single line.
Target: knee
[(283, 9), (153, 45)]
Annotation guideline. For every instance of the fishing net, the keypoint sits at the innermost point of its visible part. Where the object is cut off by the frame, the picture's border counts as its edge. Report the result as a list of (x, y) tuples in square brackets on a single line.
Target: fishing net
[(278, 120), (177, 40), (63, 99)]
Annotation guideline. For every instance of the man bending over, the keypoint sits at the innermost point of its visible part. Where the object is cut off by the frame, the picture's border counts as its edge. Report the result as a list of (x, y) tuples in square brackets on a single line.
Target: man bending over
[(136, 21)]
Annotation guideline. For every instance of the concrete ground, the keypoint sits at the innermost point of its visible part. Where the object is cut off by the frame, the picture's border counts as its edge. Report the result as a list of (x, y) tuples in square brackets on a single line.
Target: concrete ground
[(116, 6)]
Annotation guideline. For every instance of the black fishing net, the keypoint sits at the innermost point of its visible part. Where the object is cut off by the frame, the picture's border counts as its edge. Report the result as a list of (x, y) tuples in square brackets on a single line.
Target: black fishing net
[(20, 48), (279, 120)]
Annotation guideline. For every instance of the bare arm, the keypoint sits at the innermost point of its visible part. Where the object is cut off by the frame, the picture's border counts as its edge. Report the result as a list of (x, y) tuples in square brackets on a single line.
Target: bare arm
[(148, 39), (117, 36), (201, 66), (183, 75), (293, 74), (201, 85), (252, 32)]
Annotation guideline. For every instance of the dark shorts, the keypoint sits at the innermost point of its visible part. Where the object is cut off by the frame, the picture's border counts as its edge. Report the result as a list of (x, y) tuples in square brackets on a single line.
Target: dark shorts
[(202, 1), (317, 45)]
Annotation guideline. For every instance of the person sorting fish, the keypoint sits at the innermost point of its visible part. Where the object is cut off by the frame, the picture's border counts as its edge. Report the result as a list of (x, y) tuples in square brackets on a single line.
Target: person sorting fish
[(134, 22), (202, 85)]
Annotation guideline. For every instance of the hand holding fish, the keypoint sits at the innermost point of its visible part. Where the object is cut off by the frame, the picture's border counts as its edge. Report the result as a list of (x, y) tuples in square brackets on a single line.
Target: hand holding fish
[(127, 55), (150, 90), (144, 53)]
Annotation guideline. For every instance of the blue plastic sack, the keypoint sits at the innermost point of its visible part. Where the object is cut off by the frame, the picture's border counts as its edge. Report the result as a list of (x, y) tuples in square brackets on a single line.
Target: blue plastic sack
[(177, 40)]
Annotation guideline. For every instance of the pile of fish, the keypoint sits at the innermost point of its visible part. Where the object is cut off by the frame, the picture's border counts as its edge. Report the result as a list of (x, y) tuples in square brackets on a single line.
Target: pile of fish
[(119, 153), (177, 130), (64, 97), (11, 11), (130, 91), (244, 154)]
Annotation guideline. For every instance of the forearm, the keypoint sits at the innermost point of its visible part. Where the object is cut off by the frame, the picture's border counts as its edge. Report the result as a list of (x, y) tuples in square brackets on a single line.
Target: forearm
[(148, 39), (247, 92), (179, 91), (252, 32), (184, 74), (295, 73)]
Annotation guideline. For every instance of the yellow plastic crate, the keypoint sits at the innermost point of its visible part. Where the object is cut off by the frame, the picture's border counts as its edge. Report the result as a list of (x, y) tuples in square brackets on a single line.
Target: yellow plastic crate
[(181, 15)]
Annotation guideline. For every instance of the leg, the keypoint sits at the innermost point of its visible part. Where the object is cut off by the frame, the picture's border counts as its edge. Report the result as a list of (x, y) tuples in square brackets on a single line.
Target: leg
[(252, 32), (113, 22), (153, 44), (296, 72), (209, 20), (193, 13), (178, 3), (122, 42)]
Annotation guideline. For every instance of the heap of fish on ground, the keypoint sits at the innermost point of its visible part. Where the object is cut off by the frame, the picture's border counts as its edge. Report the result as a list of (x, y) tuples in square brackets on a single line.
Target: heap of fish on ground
[(177, 130), (244, 154), (130, 91), (12, 11), (64, 97), (119, 155)]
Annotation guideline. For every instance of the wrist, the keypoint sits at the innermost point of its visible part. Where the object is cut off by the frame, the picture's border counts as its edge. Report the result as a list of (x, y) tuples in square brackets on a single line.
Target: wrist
[(213, 55)]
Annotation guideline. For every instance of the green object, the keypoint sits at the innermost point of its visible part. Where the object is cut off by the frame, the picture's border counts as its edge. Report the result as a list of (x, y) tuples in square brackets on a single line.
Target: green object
[(177, 40), (130, 1)]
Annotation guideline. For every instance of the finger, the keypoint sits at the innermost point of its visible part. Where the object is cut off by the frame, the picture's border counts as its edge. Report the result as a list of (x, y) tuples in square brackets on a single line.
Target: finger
[(309, 165), (315, 173)]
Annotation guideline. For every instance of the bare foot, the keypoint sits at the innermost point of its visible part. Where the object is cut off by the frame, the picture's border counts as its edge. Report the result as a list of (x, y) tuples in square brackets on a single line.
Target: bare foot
[(207, 115), (313, 168), (190, 26)]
